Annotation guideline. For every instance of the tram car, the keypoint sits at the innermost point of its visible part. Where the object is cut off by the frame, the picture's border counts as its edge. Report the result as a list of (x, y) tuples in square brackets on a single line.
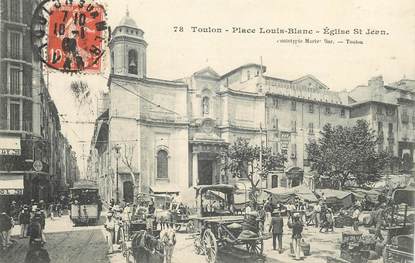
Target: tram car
[(85, 205)]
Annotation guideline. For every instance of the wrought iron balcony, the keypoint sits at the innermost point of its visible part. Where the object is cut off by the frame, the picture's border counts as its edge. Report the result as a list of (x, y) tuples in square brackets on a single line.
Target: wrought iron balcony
[(27, 126), (405, 118)]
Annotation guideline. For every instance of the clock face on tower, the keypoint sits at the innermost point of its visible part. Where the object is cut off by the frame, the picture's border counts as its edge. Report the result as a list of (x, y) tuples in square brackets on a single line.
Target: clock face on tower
[(69, 35)]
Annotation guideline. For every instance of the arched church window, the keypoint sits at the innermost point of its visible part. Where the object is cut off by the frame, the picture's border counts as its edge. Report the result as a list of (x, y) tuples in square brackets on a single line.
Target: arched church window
[(162, 164), (205, 105), (132, 61)]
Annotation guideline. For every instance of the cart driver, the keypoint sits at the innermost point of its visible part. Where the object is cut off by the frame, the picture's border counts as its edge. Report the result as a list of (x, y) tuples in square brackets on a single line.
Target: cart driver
[(181, 209), (173, 205)]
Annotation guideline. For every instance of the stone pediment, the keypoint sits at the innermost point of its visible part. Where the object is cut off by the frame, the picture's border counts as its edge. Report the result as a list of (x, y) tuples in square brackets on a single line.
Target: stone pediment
[(207, 73), (310, 81)]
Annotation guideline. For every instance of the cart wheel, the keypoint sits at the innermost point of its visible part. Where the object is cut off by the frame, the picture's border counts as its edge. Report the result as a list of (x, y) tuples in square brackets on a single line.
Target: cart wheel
[(255, 247), (177, 227), (190, 227), (210, 246)]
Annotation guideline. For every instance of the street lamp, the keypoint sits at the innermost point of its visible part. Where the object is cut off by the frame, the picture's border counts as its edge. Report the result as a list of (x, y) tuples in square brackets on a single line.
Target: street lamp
[(117, 156)]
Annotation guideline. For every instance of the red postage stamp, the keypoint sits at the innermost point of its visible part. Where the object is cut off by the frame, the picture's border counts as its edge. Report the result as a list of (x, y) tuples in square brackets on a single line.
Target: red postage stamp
[(75, 37)]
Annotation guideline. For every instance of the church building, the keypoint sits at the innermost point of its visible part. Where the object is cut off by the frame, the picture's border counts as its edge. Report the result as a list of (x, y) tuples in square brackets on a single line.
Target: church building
[(166, 136)]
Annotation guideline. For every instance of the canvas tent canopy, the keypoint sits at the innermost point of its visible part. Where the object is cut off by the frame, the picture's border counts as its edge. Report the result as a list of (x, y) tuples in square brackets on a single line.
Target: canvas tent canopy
[(337, 197), (286, 194), (372, 194), (241, 197)]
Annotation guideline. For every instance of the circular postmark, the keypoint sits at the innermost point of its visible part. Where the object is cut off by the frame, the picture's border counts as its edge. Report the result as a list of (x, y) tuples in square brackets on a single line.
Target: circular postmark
[(70, 35)]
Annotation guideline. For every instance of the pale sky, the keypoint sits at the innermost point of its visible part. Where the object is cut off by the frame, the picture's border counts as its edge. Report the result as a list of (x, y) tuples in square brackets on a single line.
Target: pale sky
[(174, 55)]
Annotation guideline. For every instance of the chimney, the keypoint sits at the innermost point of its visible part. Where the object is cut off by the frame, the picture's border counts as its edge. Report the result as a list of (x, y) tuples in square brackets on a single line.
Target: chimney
[(376, 85), (376, 82)]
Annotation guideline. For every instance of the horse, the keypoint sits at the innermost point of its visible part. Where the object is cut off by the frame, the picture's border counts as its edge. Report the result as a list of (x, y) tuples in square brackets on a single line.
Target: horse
[(146, 248), (168, 238)]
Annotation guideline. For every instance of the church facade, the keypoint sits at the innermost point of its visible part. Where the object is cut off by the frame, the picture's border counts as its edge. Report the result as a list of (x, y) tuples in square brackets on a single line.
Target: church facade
[(166, 136)]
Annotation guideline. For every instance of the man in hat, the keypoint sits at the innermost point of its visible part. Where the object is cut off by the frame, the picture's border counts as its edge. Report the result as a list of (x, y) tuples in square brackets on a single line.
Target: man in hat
[(33, 208), (35, 228), (268, 212), (24, 219), (355, 218), (297, 227), (13, 210), (261, 218), (126, 218), (42, 205), (276, 226), (110, 229), (6, 225), (379, 217), (316, 212)]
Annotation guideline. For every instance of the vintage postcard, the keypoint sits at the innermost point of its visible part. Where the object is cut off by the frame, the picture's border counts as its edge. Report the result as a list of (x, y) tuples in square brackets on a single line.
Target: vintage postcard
[(207, 131)]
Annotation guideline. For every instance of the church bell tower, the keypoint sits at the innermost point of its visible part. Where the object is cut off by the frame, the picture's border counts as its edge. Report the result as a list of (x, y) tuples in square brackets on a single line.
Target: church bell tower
[(128, 49)]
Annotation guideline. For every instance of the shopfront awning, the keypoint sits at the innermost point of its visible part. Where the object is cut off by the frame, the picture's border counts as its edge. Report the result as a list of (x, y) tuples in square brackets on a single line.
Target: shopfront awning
[(11, 185), (165, 189), (10, 145)]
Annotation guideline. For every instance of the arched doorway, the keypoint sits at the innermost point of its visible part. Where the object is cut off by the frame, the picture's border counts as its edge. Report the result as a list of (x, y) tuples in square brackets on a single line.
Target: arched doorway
[(128, 190)]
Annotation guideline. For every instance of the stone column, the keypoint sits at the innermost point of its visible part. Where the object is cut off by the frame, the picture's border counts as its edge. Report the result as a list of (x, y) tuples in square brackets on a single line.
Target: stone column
[(195, 168)]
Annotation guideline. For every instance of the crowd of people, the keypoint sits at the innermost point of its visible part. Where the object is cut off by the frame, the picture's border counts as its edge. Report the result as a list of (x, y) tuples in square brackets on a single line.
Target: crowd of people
[(31, 219), (301, 213)]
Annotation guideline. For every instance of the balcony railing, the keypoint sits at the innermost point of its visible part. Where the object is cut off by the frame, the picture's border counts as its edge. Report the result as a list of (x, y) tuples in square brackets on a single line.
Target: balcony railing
[(24, 90), (405, 118), (27, 126), (14, 55)]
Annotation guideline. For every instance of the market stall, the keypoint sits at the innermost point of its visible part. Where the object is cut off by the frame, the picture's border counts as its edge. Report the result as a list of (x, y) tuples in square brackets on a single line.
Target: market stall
[(337, 198), (283, 195)]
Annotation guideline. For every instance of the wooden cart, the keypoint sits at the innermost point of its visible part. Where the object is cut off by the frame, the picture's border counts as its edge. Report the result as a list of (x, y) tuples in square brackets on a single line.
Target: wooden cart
[(219, 230)]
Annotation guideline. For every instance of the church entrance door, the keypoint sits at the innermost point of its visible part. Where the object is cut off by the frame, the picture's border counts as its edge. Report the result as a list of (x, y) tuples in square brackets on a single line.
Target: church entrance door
[(205, 172)]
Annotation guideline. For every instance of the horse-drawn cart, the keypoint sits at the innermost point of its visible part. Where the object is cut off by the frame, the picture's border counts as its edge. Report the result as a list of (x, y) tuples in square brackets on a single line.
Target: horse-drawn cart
[(140, 244), (219, 230)]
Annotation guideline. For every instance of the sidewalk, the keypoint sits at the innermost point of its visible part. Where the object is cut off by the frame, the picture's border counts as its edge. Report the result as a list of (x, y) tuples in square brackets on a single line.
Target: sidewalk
[(322, 245)]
